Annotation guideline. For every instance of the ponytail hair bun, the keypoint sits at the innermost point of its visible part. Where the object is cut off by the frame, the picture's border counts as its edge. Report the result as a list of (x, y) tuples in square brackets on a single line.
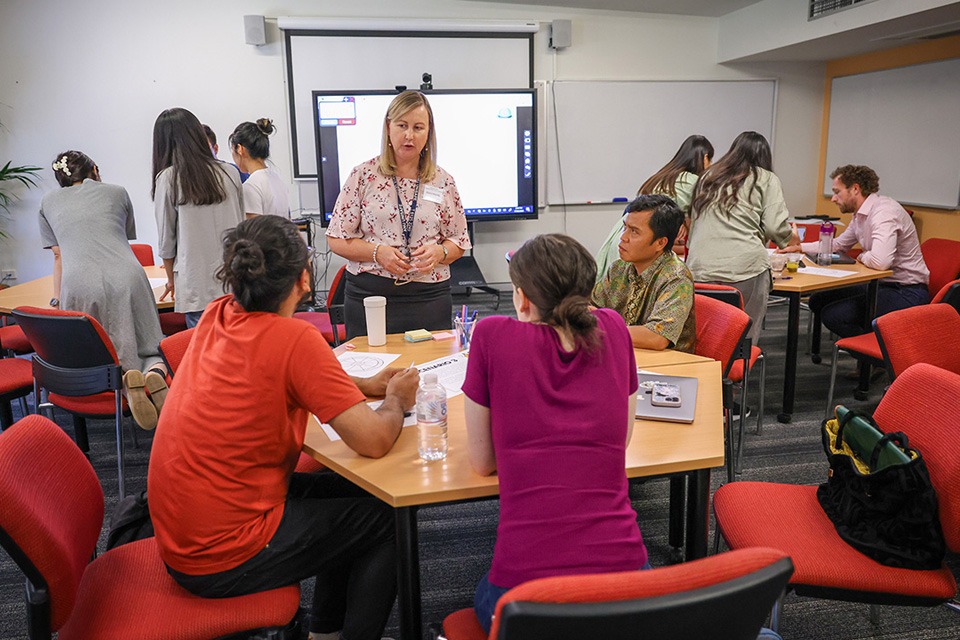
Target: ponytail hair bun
[(254, 137), (557, 273), (263, 258)]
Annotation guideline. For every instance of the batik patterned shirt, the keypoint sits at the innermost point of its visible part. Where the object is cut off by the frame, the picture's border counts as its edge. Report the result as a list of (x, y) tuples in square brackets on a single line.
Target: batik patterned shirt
[(660, 298)]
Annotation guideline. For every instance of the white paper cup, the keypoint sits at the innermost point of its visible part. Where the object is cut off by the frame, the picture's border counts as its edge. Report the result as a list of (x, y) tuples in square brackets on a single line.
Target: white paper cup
[(375, 308)]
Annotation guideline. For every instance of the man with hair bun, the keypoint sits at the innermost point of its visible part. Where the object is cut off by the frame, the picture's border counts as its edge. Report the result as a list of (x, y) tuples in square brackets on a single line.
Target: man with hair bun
[(889, 240), (649, 285)]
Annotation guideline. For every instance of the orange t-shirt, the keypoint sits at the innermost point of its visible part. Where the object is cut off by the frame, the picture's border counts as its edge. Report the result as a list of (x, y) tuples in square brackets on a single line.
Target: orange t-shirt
[(231, 431)]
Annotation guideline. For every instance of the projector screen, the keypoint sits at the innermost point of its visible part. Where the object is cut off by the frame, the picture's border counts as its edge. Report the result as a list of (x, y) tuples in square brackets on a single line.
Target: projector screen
[(486, 139)]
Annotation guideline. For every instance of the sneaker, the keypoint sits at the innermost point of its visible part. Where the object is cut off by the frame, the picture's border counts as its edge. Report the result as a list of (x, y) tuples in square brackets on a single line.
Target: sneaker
[(156, 386), (143, 410), (736, 410)]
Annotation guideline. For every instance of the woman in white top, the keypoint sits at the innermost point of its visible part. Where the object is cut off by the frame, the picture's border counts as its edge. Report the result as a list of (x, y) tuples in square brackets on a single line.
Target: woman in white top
[(264, 191)]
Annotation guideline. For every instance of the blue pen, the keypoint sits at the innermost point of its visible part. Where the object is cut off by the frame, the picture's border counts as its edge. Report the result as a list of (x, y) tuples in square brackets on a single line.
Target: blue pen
[(473, 318)]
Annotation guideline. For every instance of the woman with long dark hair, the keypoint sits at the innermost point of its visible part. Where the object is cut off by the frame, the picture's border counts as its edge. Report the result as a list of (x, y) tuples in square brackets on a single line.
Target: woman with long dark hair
[(87, 224), (675, 179), (737, 209), (264, 192), (196, 199), (550, 403), (399, 221)]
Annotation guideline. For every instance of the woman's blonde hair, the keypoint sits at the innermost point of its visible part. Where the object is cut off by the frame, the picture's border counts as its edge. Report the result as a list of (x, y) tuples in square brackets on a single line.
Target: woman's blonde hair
[(401, 105)]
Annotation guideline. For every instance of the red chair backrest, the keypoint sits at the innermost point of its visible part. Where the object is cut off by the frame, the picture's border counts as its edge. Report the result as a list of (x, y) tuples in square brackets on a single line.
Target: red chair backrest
[(720, 329), (69, 339), (335, 295), (52, 508), (926, 333), (943, 260), (639, 585), (924, 402), (144, 253), (722, 292), (174, 347), (949, 294)]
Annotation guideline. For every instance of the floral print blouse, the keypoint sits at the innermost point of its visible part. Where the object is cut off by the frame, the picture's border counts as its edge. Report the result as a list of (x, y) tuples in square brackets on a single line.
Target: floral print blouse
[(367, 208)]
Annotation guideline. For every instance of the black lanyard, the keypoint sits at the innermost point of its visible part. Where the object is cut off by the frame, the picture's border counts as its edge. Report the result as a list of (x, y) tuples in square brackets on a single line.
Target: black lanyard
[(407, 222)]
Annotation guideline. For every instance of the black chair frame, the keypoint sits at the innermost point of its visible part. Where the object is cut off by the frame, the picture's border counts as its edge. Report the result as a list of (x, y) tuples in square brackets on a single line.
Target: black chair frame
[(731, 610)]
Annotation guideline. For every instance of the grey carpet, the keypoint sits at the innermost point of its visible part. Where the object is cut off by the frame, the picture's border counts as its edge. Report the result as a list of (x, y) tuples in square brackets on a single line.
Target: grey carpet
[(456, 541)]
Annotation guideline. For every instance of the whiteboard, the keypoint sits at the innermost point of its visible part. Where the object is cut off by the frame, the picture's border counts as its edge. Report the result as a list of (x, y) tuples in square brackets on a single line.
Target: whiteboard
[(347, 61), (904, 124), (606, 138)]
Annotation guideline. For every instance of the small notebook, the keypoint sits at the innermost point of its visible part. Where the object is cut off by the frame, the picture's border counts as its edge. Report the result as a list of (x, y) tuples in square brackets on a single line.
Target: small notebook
[(688, 399)]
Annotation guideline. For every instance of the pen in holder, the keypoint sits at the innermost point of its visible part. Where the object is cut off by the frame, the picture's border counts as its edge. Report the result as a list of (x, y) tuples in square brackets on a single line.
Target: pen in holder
[(464, 330)]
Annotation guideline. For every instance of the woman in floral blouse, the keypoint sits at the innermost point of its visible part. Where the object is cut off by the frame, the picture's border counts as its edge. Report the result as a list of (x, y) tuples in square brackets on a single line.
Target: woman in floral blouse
[(399, 222)]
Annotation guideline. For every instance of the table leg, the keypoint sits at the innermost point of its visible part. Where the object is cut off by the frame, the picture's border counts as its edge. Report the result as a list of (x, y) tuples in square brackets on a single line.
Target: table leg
[(790, 366), (698, 513), (678, 488), (870, 309), (408, 574)]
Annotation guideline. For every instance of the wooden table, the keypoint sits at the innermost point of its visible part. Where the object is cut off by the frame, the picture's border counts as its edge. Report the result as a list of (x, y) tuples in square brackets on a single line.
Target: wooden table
[(37, 293), (405, 482), (800, 284)]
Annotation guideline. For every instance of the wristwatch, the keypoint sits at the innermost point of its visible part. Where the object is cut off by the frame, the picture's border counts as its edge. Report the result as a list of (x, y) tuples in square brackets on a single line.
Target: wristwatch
[(54, 302)]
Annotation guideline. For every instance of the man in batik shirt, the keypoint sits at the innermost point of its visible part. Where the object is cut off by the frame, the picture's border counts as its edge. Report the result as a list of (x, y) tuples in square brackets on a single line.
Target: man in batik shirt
[(649, 285)]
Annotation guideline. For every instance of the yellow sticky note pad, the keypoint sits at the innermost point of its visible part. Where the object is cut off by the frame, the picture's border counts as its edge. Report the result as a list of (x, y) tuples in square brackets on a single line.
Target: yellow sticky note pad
[(417, 335)]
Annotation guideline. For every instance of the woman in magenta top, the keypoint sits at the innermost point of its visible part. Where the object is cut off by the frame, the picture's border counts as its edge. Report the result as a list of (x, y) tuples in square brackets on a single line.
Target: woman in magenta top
[(550, 401)]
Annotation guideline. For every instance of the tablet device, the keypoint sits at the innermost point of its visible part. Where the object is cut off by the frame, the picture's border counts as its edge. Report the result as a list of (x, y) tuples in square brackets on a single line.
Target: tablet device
[(837, 258), (682, 412)]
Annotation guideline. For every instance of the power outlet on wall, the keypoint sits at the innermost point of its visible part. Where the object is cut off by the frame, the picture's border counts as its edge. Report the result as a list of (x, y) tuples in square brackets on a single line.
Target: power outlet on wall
[(7, 275)]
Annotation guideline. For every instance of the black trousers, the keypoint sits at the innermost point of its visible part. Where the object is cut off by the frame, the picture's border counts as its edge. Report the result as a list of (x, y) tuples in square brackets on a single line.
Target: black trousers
[(842, 310), (415, 305), (335, 531)]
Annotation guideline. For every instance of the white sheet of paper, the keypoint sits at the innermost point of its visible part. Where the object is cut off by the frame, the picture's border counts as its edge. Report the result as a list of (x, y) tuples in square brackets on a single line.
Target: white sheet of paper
[(408, 421), (451, 372), (830, 273), (157, 282), (363, 365)]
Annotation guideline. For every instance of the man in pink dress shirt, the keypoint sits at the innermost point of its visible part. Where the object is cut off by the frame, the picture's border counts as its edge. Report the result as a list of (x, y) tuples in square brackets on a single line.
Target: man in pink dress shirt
[(889, 240)]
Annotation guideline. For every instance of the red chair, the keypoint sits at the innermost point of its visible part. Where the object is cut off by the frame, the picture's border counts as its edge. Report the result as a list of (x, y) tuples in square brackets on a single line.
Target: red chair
[(50, 526), (171, 322), (75, 361), (929, 333), (330, 320), (174, 347), (722, 597), (14, 340), (721, 331), (789, 517), (731, 295), (949, 294)]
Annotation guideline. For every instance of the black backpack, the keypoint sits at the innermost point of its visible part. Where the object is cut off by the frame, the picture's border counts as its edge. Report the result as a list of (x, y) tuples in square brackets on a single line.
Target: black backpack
[(130, 521)]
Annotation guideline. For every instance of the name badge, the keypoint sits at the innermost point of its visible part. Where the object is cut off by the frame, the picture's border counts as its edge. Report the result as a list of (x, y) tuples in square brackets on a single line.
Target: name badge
[(433, 194)]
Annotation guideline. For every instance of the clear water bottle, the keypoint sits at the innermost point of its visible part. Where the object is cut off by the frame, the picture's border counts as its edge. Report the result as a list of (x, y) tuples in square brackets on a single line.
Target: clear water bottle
[(431, 419), (825, 250)]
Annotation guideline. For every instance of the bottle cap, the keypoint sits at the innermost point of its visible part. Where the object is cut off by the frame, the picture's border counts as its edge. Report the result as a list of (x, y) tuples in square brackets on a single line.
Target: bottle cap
[(429, 378)]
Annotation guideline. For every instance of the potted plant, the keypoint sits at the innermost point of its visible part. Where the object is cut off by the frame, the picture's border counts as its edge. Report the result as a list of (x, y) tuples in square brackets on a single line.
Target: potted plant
[(9, 176)]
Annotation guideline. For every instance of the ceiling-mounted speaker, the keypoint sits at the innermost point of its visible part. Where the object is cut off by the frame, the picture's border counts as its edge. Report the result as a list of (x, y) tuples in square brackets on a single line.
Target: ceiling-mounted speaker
[(255, 30), (561, 34)]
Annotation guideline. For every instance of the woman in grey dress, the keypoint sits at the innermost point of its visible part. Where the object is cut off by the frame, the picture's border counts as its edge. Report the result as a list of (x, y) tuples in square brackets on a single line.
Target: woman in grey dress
[(87, 225)]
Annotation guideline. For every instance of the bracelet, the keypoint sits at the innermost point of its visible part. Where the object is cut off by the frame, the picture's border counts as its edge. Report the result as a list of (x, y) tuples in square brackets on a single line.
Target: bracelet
[(445, 253), (375, 249)]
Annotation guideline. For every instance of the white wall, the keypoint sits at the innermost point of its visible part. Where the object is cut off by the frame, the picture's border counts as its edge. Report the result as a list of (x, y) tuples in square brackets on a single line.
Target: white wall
[(94, 77), (774, 24)]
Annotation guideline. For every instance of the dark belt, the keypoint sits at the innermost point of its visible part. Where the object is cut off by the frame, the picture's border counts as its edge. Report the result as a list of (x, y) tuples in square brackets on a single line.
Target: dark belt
[(897, 285)]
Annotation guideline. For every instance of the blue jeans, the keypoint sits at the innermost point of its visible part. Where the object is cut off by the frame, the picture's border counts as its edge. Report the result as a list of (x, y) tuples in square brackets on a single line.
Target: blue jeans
[(192, 318), (485, 599)]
